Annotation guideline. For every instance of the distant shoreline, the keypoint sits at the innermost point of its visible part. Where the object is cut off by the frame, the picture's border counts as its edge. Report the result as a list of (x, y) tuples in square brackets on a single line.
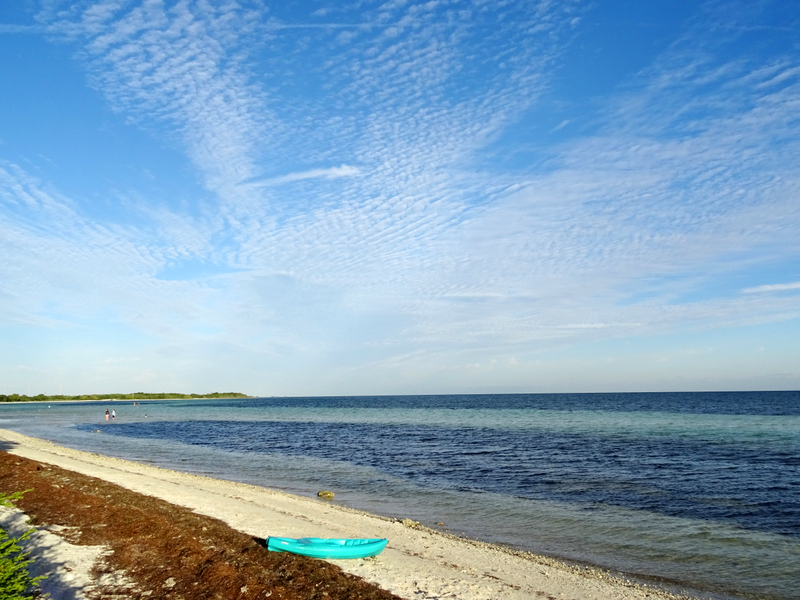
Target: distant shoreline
[(21, 398)]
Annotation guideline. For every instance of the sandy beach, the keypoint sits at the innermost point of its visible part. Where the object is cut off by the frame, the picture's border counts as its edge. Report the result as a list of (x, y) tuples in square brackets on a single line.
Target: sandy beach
[(418, 563)]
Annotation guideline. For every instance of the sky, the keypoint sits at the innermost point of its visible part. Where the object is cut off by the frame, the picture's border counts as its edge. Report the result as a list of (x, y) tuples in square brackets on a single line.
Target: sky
[(323, 197)]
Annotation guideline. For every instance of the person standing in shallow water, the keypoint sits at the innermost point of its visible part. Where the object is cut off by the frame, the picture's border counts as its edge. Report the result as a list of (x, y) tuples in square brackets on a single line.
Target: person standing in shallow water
[(113, 414), (107, 415)]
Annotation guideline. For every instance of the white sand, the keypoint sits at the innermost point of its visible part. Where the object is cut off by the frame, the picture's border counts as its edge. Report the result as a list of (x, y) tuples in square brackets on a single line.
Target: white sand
[(418, 563)]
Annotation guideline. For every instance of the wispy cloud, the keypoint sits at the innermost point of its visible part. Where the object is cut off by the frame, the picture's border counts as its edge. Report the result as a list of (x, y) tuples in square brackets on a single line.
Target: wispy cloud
[(180, 66), (31, 29), (275, 25), (60, 253), (776, 287), (331, 173)]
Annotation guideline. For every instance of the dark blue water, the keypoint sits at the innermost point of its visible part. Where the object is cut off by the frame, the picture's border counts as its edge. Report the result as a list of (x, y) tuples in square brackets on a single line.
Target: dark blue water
[(757, 488), (713, 477)]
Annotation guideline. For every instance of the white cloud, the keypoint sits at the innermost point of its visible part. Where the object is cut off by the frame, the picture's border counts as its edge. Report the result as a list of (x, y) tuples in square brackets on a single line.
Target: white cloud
[(12, 28), (180, 66), (776, 287), (331, 173)]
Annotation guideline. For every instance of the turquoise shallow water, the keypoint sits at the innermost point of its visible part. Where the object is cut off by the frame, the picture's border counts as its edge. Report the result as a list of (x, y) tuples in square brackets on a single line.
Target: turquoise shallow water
[(700, 490)]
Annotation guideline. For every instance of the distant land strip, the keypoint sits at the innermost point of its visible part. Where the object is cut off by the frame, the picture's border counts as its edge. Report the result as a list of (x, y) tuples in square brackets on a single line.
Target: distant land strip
[(134, 396)]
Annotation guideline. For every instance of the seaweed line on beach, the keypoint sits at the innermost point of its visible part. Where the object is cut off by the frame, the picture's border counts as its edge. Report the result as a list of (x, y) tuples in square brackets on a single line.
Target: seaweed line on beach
[(166, 551)]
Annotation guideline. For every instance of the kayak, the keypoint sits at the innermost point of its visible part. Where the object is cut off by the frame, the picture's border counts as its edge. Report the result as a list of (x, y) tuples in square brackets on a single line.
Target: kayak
[(328, 547)]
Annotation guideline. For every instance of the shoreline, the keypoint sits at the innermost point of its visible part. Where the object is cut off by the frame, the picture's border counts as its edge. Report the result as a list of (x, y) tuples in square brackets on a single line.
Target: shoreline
[(418, 562), (119, 400)]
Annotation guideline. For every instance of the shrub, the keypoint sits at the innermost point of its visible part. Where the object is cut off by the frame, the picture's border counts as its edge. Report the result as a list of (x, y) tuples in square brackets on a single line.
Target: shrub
[(15, 581)]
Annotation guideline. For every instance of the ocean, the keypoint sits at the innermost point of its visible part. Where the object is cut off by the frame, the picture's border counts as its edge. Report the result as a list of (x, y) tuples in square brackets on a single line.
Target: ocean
[(695, 490)]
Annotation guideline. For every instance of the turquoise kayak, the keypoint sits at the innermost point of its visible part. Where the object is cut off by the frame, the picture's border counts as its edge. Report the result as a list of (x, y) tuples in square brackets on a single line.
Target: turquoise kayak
[(328, 547)]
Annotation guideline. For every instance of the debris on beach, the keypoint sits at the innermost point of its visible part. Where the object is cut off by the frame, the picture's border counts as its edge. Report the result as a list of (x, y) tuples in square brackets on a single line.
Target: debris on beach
[(410, 523)]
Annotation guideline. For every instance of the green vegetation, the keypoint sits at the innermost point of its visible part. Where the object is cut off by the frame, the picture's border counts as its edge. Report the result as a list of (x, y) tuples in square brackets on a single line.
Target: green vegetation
[(15, 581), (134, 396)]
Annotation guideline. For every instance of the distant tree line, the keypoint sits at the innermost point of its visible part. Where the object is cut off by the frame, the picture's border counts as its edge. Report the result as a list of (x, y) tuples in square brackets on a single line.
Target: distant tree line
[(134, 396)]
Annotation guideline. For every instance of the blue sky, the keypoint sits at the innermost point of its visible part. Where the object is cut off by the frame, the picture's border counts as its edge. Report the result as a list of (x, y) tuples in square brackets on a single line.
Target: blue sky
[(318, 197)]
